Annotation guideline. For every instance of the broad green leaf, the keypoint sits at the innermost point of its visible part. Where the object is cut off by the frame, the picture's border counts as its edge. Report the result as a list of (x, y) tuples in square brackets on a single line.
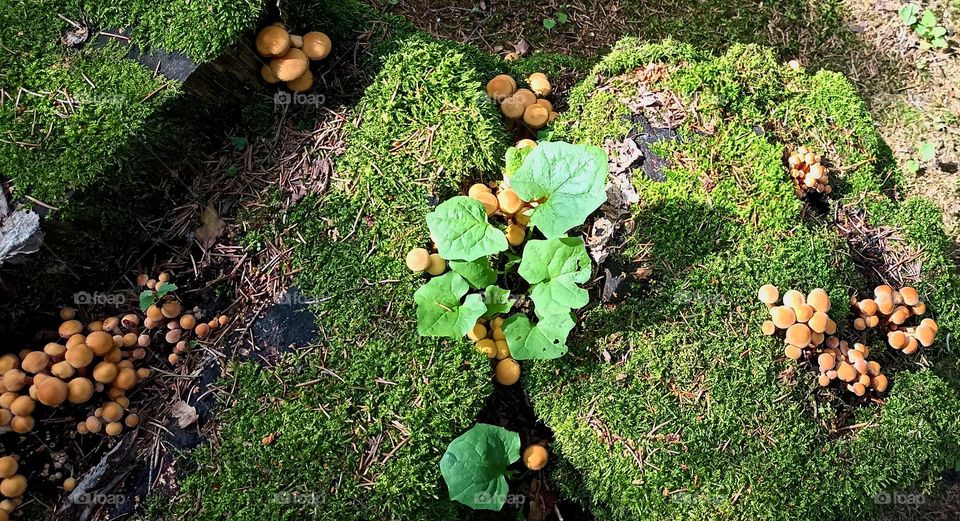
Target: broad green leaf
[(549, 23), (571, 178), (497, 301), (928, 151), (164, 288), (478, 272), (147, 299), (545, 340), (554, 267), (515, 157), (929, 19), (475, 463), (908, 13), (440, 311), (459, 226)]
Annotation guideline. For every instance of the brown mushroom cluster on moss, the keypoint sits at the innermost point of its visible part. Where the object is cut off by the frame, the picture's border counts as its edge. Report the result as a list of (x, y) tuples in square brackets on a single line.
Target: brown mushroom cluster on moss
[(500, 201), (91, 359), (290, 55), (524, 108), (890, 310), (808, 333), (489, 339), (809, 175)]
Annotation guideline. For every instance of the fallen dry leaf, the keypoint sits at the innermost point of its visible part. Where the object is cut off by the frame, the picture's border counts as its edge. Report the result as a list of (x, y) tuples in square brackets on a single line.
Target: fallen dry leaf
[(185, 413), (211, 227)]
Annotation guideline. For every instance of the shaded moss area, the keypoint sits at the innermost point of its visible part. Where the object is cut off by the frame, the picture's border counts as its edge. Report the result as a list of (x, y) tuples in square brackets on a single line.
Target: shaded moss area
[(674, 405), (71, 117)]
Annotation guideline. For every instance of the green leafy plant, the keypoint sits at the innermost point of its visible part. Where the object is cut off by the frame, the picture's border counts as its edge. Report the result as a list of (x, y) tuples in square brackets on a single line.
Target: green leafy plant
[(474, 466), (570, 178), (558, 18), (925, 25), (442, 310), (462, 231), (925, 152), (150, 297), (563, 184)]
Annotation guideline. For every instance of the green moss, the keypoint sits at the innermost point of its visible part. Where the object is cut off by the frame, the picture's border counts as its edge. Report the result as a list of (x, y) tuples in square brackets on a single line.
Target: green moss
[(48, 144), (673, 405), (201, 29), (423, 128)]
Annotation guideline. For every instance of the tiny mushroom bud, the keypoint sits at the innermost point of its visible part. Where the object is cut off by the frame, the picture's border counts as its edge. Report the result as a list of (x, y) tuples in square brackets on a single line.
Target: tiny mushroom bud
[(768, 328), (8, 466), (910, 296), (113, 428), (925, 335), (14, 486), (100, 342), (515, 234), (509, 201), (132, 420), (867, 306), (783, 316), (536, 116), (171, 309), (52, 391), (540, 84), (793, 352), (79, 390), (291, 65), (79, 356), (501, 87), (69, 484), (302, 83), (478, 332), (487, 347), (477, 188), (316, 45), (793, 299), (272, 41), (507, 371), (437, 267), (490, 203), (513, 107), (535, 457), (805, 313), (798, 335), (819, 299), (22, 424), (526, 97), (70, 328), (879, 382)]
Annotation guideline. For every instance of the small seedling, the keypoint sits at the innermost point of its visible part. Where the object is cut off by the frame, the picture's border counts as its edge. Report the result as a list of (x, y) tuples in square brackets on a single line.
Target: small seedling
[(925, 152), (559, 18), (925, 25)]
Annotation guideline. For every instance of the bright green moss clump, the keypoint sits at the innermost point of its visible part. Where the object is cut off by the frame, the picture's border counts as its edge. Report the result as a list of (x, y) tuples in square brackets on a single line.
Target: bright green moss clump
[(697, 415), (373, 383)]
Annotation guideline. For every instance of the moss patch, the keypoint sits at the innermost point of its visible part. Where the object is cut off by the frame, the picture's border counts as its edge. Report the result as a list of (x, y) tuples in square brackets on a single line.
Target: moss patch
[(374, 386), (674, 405)]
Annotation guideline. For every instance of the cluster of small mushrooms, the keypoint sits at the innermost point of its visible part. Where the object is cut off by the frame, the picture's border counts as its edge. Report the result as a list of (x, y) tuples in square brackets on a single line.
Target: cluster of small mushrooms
[(809, 333), (96, 358), (489, 339), (290, 55), (505, 203), (808, 173), (12, 485), (890, 309), (523, 107)]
